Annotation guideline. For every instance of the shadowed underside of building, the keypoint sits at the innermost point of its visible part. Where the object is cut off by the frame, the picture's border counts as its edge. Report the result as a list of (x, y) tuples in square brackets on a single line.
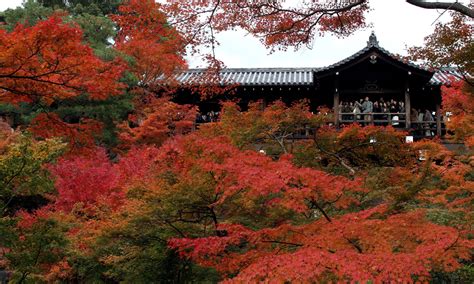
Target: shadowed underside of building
[(372, 72)]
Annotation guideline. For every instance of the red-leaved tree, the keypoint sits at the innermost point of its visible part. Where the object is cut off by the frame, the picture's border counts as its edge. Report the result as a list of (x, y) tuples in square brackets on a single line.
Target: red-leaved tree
[(49, 61)]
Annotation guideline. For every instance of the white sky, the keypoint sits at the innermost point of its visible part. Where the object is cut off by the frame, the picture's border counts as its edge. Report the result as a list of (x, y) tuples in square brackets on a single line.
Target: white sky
[(396, 24)]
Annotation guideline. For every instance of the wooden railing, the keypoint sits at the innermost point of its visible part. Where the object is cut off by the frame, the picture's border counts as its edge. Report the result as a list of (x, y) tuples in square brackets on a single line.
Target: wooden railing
[(374, 118), (396, 120)]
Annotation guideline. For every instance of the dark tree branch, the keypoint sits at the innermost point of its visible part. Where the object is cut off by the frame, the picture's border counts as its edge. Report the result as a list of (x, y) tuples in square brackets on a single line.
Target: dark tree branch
[(355, 244), (282, 243), (458, 7), (15, 175), (316, 205), (341, 160)]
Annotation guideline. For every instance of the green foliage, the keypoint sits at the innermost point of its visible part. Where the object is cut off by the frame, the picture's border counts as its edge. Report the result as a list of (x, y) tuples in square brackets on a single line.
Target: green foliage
[(7, 235), (37, 246), (110, 112), (104, 6), (463, 275), (22, 171), (98, 29), (138, 253), (447, 217), (29, 14), (274, 126), (134, 248), (355, 149)]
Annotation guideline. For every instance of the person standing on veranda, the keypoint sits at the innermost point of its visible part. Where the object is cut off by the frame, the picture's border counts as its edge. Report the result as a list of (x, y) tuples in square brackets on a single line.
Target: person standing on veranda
[(367, 108)]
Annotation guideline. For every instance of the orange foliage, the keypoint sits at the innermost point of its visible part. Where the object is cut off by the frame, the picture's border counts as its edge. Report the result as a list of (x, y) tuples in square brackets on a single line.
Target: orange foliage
[(278, 24), (49, 61), (254, 218), (7, 135), (80, 136), (311, 226), (362, 246), (459, 100), (159, 120), (457, 195), (145, 35)]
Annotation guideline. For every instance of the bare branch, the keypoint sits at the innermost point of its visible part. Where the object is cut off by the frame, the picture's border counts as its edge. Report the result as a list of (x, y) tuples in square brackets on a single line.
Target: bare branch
[(456, 6)]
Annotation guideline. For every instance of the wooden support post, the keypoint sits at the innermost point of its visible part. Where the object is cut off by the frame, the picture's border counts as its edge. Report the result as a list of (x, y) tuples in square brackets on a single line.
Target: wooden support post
[(438, 120), (336, 100), (407, 104), (336, 108)]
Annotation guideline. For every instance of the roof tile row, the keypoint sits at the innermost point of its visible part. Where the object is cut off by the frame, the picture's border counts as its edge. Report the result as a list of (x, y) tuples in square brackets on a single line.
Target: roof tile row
[(285, 76)]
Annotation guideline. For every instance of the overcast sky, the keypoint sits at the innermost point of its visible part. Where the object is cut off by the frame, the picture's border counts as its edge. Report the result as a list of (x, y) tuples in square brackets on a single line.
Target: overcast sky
[(396, 24)]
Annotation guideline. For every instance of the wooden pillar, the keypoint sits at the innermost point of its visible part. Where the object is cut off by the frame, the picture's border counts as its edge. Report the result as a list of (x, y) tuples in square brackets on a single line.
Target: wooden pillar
[(438, 120), (336, 100), (407, 103), (336, 108)]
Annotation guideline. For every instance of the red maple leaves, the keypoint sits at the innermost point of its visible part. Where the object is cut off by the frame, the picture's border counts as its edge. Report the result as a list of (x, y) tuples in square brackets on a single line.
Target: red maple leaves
[(49, 61), (144, 34), (85, 183), (459, 100), (363, 246), (250, 216)]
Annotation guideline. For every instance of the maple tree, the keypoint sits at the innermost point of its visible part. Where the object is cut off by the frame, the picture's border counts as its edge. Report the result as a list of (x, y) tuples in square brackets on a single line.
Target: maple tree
[(278, 24), (161, 120), (330, 246), (273, 126), (49, 61), (277, 127), (351, 205), (24, 183), (254, 218), (450, 46), (355, 148), (153, 182), (39, 245), (145, 35), (156, 52), (85, 182), (459, 100)]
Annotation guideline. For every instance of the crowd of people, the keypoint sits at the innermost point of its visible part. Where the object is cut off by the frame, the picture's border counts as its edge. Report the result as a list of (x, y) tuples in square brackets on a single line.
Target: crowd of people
[(418, 115), (382, 112), (211, 116), (364, 108), (379, 112)]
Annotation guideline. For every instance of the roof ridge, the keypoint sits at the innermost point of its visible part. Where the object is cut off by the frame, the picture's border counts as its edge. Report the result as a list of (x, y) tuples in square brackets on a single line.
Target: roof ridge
[(372, 43), (259, 69)]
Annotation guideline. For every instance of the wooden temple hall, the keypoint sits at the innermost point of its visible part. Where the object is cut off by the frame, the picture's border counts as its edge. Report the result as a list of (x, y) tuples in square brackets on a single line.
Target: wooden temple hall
[(401, 93)]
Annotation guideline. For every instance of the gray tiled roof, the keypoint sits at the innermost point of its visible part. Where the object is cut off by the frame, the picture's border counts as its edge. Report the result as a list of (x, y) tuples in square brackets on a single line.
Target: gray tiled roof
[(445, 76), (255, 76), (302, 76), (287, 76)]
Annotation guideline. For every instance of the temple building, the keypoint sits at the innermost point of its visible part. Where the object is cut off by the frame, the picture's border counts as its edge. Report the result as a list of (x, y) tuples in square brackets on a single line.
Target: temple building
[(372, 73)]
